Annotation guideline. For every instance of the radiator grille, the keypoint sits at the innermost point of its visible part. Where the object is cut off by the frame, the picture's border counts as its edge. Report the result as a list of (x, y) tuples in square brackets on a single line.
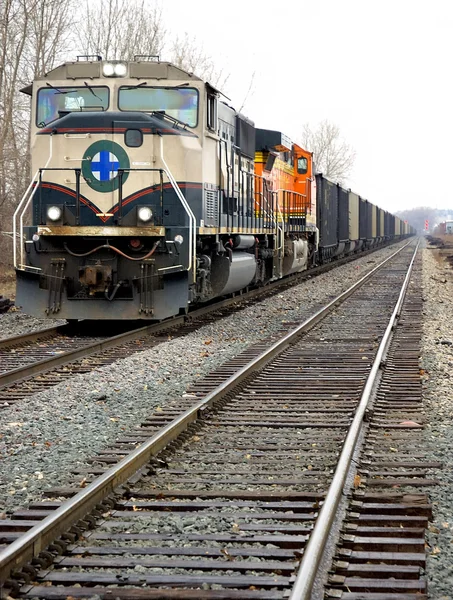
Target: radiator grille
[(211, 203)]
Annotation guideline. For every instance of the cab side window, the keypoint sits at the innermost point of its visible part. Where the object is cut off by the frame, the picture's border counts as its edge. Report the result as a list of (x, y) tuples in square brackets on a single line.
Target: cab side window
[(302, 165), (211, 111), (133, 138)]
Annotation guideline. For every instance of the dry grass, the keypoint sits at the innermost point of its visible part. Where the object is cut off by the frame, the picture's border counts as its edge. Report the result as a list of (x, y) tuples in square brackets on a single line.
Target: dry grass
[(7, 282), (447, 240)]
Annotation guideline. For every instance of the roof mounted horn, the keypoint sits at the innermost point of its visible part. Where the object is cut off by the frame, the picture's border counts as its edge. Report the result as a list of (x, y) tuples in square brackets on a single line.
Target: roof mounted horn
[(88, 57), (148, 57)]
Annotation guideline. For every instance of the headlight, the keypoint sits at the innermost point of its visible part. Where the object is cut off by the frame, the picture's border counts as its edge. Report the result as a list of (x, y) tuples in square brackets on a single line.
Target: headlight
[(145, 214), (54, 213), (179, 239), (120, 69), (108, 69), (114, 69)]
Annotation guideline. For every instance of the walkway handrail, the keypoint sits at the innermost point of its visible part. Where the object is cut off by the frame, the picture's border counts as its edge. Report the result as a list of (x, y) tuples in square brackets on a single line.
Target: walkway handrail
[(27, 204), (192, 219)]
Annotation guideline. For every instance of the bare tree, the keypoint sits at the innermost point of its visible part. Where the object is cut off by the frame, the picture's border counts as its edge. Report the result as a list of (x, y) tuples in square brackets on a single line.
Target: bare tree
[(33, 35), (115, 29), (186, 53), (32, 39), (332, 155), (48, 36), (14, 23)]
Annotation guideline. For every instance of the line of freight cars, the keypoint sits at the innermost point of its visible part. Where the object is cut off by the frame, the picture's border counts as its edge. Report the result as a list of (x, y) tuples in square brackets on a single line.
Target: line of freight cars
[(348, 223)]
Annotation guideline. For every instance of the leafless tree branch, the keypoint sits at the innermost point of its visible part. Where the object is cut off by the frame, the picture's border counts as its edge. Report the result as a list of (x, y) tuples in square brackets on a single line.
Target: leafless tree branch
[(119, 30), (33, 36), (188, 54), (332, 155)]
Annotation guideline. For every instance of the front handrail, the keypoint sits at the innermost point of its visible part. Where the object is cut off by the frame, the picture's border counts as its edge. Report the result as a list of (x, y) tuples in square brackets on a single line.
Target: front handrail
[(302, 205), (263, 194), (16, 212), (180, 196), (26, 201), (77, 172), (192, 219), (37, 180)]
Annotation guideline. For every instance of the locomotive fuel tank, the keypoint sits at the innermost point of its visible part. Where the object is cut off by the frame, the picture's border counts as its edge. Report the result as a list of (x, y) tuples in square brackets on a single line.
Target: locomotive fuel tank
[(236, 275), (296, 257)]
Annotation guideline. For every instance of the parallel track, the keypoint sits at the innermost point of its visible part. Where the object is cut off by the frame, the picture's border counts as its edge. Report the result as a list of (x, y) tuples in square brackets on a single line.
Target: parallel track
[(85, 355), (36, 361), (226, 508)]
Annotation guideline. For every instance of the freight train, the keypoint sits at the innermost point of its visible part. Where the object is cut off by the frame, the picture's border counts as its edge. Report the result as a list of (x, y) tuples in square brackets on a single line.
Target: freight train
[(151, 194)]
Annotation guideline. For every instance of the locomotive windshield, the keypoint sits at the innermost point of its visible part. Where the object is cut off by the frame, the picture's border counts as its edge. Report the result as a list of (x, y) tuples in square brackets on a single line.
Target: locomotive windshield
[(51, 100), (179, 103)]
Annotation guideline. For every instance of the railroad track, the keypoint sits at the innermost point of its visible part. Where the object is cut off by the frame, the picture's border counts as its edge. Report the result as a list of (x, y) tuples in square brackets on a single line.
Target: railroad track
[(20, 355), (231, 489), (54, 356), (388, 509), (35, 361)]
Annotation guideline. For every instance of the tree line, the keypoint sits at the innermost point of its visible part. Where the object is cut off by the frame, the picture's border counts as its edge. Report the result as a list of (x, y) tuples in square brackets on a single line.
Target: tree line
[(417, 217)]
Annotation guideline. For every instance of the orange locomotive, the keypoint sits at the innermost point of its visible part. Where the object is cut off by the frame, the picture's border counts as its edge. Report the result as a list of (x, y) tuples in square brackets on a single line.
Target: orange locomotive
[(285, 170), (285, 187)]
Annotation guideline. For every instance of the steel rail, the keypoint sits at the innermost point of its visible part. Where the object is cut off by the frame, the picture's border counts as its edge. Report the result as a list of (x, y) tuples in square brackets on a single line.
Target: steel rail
[(51, 527), (23, 373), (32, 336), (313, 551)]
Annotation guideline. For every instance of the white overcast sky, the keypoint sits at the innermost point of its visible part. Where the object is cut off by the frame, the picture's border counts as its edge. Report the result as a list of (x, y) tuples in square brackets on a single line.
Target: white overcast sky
[(380, 70)]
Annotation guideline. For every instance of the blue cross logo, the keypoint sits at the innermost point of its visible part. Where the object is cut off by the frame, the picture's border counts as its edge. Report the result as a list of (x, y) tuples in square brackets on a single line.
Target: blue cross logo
[(101, 163), (104, 165)]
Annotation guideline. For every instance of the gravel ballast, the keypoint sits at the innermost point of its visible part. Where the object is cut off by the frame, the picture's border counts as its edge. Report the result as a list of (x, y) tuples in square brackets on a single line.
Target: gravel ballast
[(45, 435), (437, 362), (15, 322)]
